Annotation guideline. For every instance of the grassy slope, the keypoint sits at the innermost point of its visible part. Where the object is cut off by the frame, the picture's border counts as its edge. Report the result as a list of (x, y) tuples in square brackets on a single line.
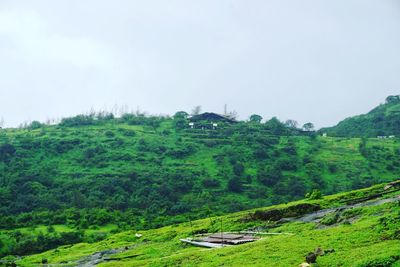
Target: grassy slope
[(341, 151), (363, 242), (70, 171), (382, 120)]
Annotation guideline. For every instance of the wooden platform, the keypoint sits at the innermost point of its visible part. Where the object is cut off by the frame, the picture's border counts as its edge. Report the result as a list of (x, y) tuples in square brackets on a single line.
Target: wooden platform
[(221, 239), (202, 244)]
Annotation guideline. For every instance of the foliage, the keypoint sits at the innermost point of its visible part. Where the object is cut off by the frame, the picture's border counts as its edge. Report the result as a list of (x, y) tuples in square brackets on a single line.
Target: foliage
[(383, 120), (315, 194), (362, 243), (308, 126), (256, 118), (144, 171)]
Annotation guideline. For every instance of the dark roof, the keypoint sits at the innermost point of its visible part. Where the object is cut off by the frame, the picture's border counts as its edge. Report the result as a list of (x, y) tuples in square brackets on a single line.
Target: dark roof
[(210, 116)]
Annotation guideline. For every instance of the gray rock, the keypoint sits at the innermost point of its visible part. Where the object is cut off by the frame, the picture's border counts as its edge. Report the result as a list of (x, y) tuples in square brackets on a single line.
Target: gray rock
[(311, 257)]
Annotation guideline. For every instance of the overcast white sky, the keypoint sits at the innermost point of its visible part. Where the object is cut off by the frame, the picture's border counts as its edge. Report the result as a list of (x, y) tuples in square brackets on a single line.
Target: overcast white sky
[(309, 60)]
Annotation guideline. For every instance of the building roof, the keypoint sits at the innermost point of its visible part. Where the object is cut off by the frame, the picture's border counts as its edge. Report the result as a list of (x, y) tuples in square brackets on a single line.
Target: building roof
[(210, 116)]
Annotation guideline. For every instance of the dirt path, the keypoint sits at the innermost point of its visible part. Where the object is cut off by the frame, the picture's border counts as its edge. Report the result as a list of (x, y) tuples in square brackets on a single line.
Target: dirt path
[(318, 215)]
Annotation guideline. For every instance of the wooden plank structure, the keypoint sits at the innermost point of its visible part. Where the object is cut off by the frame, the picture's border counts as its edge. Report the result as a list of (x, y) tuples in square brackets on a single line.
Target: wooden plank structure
[(221, 239), (230, 239), (201, 244)]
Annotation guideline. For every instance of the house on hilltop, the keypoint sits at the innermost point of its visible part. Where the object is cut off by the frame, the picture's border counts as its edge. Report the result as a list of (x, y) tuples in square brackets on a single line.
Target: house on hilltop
[(209, 120), (211, 117)]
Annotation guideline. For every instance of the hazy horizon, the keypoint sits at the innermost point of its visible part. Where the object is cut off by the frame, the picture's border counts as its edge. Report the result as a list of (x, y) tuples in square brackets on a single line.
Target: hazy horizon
[(310, 61)]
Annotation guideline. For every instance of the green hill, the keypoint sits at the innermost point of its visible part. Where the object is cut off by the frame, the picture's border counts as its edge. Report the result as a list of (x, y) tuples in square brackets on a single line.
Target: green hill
[(96, 174), (359, 228), (383, 120)]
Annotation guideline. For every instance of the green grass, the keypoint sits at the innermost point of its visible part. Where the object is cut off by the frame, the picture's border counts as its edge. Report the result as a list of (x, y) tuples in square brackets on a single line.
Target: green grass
[(366, 241), (140, 177)]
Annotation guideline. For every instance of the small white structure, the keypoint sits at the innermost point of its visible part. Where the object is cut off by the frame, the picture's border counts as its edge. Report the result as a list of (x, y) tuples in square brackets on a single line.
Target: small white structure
[(392, 136), (191, 124), (381, 137), (324, 135), (215, 125)]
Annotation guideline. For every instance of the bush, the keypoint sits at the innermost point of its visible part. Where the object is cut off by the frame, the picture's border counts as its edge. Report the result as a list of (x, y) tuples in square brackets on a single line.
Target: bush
[(183, 150), (127, 132), (315, 194), (6, 152), (290, 148), (91, 152), (238, 169), (79, 120), (269, 176), (330, 219), (260, 153), (235, 185), (333, 168), (109, 134), (95, 237), (288, 164), (210, 183), (35, 125)]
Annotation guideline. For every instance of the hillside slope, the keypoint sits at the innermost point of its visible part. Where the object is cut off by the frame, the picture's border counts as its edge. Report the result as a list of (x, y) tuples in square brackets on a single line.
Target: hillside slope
[(383, 120), (362, 234), (92, 173)]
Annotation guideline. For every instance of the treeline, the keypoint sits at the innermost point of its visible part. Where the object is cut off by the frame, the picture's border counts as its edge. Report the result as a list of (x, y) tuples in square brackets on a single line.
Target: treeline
[(180, 120), (72, 217), (25, 243), (30, 242)]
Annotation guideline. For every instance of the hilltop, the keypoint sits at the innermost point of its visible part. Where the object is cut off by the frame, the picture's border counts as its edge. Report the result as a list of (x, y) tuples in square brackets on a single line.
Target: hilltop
[(92, 175), (383, 120)]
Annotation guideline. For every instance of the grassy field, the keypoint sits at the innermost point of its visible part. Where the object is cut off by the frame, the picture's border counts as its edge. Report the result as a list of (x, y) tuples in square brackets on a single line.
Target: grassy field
[(360, 236)]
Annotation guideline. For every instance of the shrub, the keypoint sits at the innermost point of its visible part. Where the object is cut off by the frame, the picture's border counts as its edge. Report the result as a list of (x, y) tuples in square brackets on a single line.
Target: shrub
[(288, 164), (235, 185), (269, 176), (260, 153), (210, 182), (79, 120), (127, 132), (333, 168), (238, 169), (315, 194), (109, 134), (330, 219), (35, 125), (6, 152)]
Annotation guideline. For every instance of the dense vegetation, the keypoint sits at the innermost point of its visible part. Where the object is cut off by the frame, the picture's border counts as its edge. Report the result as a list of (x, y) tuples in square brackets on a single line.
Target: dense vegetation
[(383, 120), (137, 172), (362, 236)]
